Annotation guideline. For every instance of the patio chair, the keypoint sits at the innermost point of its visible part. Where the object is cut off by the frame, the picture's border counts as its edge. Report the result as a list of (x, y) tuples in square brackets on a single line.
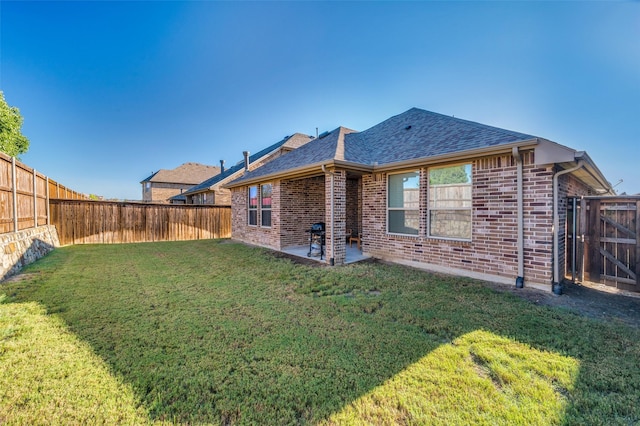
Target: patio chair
[(354, 236)]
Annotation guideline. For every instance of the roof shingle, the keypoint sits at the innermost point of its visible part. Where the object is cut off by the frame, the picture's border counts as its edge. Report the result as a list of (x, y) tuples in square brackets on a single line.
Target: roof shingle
[(414, 134)]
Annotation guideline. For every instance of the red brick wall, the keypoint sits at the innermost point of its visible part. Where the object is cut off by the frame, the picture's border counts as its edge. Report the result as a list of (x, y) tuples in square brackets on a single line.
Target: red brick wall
[(303, 204), (258, 235), (337, 250), (492, 252), (354, 204)]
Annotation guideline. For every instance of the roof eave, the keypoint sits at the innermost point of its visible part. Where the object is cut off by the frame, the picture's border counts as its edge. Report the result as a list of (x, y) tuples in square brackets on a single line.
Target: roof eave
[(294, 172), (456, 156), (594, 177)]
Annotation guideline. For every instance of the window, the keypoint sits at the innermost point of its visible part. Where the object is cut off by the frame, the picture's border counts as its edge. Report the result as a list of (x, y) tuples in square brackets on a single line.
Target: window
[(253, 205), (450, 202), (265, 204), (260, 205), (403, 205)]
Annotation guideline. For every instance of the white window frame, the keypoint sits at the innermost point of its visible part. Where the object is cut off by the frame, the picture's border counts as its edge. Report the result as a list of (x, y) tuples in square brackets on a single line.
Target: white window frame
[(431, 208), (392, 209)]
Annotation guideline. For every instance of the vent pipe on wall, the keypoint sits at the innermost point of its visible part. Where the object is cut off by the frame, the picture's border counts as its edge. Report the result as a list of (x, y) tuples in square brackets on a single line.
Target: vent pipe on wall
[(246, 160)]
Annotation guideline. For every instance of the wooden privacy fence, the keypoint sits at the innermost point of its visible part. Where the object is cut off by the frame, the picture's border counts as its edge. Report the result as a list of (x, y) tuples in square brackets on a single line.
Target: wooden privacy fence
[(87, 222), (25, 194), (605, 246)]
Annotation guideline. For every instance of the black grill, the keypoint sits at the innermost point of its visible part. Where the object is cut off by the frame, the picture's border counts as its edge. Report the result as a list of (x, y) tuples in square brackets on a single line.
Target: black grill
[(316, 239)]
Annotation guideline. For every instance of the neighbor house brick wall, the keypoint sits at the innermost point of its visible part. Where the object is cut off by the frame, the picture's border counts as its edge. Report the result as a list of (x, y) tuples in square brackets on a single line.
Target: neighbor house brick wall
[(222, 197), (302, 204), (161, 192), (493, 248)]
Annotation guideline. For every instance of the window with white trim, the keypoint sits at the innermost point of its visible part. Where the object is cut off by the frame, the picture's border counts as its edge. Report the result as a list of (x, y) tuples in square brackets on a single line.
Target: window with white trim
[(253, 205), (265, 205), (450, 202), (403, 203)]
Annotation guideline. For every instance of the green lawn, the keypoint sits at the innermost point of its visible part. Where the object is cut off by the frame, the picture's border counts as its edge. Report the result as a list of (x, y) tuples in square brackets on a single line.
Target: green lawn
[(216, 332)]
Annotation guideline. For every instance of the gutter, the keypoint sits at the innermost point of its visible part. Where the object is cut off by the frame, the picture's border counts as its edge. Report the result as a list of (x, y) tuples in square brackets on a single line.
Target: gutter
[(520, 218), (595, 173), (500, 149), (556, 286)]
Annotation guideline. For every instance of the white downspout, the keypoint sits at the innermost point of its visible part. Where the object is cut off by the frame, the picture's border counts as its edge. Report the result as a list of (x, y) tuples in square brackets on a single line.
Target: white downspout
[(556, 287), (333, 246), (520, 218)]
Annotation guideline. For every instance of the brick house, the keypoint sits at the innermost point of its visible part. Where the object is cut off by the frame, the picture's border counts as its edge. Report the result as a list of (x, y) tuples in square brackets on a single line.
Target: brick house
[(211, 191), (425, 190), (166, 186)]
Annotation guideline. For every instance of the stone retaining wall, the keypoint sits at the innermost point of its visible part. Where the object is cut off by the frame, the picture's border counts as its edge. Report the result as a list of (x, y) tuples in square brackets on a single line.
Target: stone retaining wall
[(18, 249)]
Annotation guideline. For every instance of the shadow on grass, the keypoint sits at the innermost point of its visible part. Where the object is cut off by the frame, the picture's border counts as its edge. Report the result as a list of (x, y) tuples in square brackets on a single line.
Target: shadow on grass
[(224, 333)]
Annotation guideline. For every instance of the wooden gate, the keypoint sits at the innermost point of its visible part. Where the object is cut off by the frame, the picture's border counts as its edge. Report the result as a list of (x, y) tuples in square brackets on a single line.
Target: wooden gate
[(608, 228)]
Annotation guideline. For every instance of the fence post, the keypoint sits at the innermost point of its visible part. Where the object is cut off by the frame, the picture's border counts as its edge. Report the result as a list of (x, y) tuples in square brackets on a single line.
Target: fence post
[(15, 194), (47, 201), (35, 199)]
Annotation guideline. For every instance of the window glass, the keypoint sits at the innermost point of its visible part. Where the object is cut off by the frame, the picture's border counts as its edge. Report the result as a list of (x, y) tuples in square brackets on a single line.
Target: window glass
[(403, 210), (265, 204), (253, 205), (450, 202)]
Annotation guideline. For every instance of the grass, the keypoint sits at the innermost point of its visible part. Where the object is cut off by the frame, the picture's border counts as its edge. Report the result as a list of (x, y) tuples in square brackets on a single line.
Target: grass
[(212, 332)]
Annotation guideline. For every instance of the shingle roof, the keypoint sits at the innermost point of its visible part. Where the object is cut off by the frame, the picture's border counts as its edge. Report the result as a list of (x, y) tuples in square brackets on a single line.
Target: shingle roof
[(187, 173), (417, 133), (289, 142), (411, 135), (325, 148)]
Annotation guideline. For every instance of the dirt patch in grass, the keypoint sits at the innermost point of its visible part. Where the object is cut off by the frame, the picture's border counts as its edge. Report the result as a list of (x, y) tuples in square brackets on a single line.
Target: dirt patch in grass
[(592, 301), (18, 277)]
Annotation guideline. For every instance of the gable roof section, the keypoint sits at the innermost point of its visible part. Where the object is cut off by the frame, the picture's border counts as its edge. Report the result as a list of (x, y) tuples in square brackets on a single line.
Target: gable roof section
[(319, 151), (413, 135), (292, 142), (417, 134), (187, 173)]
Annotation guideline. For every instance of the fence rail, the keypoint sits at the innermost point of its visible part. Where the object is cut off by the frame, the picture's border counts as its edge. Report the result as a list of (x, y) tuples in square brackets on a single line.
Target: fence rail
[(25, 194), (89, 222)]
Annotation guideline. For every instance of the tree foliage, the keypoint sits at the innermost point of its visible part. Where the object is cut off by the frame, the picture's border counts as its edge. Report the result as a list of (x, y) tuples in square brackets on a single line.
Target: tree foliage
[(12, 141), (447, 175)]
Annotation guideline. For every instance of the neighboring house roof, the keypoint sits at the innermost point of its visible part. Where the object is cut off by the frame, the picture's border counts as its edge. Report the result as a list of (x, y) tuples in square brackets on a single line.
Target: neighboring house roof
[(408, 139), (187, 173), (288, 143)]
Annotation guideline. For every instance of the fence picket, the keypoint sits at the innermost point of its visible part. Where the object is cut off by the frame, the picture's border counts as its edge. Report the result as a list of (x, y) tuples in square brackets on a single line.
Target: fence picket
[(87, 221)]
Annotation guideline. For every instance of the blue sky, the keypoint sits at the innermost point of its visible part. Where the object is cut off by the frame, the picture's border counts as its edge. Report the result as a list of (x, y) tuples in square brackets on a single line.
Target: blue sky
[(111, 91)]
